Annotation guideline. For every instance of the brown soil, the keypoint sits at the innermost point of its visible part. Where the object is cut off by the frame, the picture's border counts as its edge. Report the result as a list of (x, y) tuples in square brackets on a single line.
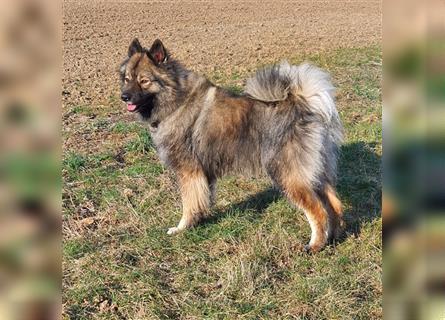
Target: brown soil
[(204, 35)]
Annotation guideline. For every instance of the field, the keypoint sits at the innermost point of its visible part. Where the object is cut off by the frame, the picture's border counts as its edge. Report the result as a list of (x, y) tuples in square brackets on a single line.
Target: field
[(245, 262)]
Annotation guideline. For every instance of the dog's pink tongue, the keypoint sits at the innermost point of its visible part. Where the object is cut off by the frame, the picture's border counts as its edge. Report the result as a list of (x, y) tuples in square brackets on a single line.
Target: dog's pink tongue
[(131, 107)]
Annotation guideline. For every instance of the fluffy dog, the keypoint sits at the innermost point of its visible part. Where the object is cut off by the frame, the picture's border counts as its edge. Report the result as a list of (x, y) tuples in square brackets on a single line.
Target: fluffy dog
[(285, 125)]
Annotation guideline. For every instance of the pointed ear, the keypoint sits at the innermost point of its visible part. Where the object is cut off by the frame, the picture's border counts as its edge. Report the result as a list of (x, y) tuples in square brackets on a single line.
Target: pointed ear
[(135, 47), (158, 52)]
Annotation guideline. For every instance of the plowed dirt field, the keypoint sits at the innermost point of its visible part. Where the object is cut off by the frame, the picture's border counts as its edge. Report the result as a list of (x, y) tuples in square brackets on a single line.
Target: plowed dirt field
[(205, 35)]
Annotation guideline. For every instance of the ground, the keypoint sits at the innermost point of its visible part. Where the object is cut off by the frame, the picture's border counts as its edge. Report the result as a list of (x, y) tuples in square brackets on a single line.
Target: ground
[(246, 261)]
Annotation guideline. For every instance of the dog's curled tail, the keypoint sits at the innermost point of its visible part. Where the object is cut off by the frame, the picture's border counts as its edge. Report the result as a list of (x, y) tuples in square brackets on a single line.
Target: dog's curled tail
[(275, 83)]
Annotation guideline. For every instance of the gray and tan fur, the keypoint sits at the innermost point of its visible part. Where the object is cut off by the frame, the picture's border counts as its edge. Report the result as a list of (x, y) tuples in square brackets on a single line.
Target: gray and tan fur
[(285, 125)]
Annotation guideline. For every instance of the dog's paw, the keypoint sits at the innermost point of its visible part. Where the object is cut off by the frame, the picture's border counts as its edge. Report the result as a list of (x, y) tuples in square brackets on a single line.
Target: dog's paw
[(174, 230), (311, 248)]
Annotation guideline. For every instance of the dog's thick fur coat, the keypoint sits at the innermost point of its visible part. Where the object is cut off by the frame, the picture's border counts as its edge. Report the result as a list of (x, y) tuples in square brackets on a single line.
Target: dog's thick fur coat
[(285, 125)]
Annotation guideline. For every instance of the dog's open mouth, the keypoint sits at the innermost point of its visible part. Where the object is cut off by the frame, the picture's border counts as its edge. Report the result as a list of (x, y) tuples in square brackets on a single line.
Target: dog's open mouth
[(131, 107), (142, 106)]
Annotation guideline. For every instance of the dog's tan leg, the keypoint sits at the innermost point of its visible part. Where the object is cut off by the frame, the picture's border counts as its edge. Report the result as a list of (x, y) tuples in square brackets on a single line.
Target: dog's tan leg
[(335, 211), (195, 193), (316, 214)]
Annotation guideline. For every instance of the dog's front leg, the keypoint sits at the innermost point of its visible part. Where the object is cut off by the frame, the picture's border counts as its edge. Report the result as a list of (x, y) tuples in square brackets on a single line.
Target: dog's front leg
[(195, 193)]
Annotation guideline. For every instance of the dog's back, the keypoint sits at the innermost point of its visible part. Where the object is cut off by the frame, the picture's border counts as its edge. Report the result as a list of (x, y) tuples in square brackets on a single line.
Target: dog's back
[(285, 109)]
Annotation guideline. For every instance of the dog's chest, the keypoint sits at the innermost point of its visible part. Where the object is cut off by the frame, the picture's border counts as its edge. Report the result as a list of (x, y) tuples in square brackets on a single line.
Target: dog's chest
[(163, 155), (168, 148), (161, 149)]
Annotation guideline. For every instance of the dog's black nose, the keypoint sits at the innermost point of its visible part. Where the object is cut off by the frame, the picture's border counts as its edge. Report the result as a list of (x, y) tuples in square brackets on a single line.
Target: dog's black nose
[(125, 97)]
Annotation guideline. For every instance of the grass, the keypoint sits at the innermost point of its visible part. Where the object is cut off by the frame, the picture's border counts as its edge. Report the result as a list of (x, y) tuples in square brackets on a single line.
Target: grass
[(245, 262)]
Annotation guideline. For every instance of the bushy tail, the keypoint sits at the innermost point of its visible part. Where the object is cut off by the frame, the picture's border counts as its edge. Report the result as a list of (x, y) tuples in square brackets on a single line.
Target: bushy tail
[(276, 83)]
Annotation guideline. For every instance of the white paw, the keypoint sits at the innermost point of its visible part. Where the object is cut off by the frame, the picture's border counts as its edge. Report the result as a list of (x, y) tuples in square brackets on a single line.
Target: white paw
[(174, 230)]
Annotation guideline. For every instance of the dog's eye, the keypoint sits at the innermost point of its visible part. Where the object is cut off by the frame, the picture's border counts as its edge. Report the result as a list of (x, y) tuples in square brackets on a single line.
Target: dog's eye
[(145, 81), (127, 80)]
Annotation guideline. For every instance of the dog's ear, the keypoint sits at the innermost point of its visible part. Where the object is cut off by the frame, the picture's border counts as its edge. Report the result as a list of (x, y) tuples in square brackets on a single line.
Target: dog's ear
[(135, 47), (158, 52)]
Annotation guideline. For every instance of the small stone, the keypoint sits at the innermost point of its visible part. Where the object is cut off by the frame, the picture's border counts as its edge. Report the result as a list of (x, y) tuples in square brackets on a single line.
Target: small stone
[(103, 305), (128, 192), (87, 221)]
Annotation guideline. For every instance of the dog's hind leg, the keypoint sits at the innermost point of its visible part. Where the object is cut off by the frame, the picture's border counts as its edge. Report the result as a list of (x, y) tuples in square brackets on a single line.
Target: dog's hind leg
[(195, 193), (305, 198), (303, 195)]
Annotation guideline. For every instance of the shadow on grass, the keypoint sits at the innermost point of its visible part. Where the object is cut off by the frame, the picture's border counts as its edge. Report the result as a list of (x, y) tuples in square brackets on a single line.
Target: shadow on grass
[(359, 184), (257, 203), (359, 188)]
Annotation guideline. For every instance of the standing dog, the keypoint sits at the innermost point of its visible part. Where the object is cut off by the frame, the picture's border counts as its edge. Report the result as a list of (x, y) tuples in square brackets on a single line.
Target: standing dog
[(285, 125)]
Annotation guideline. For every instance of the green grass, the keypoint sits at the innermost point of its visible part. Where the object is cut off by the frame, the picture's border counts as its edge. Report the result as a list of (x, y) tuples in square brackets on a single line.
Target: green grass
[(245, 262)]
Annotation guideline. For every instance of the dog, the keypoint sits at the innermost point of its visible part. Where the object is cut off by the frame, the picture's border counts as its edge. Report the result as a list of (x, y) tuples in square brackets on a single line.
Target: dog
[(284, 125)]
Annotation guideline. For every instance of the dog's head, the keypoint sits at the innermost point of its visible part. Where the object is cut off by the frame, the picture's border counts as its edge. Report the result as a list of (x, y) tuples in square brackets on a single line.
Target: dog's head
[(144, 75)]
